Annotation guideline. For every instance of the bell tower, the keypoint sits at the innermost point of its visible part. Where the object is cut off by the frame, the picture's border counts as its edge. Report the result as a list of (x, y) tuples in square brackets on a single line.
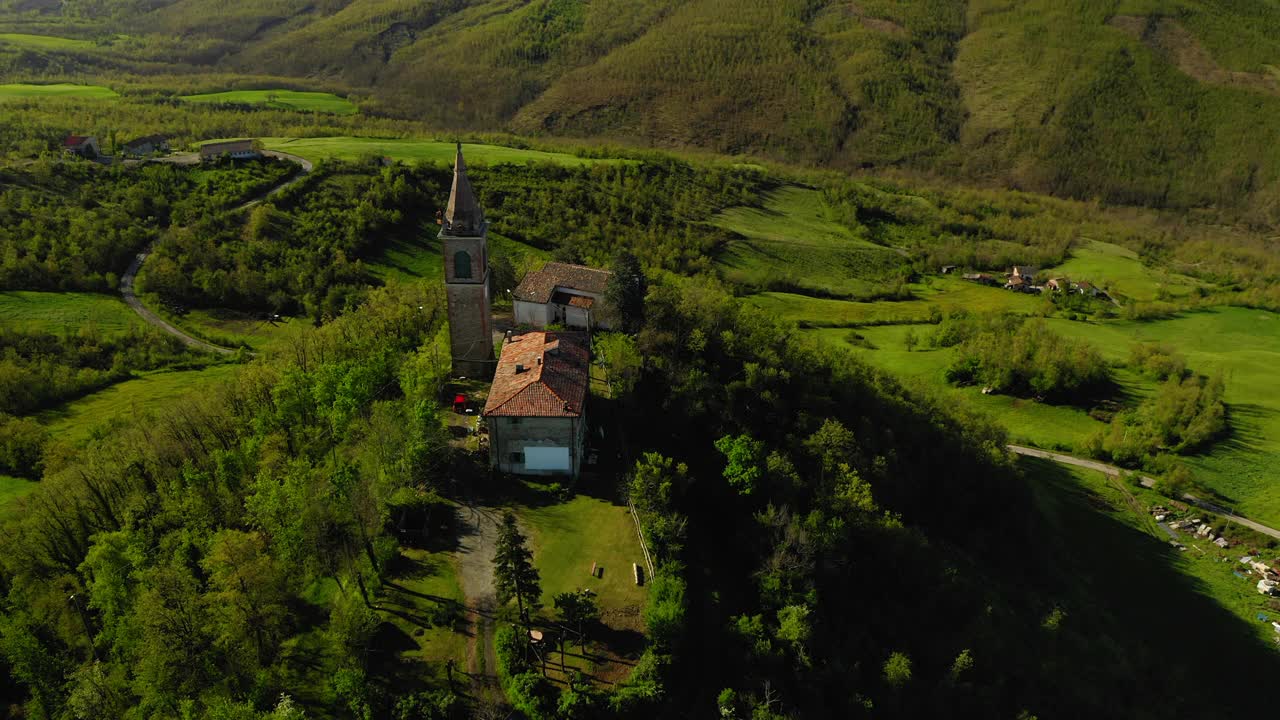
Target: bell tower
[(464, 238)]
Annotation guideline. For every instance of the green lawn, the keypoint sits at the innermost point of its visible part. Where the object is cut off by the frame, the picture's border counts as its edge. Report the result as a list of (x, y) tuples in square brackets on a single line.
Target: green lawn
[(27, 90), (1243, 344), (321, 102), (794, 237), (1121, 272), (78, 419), (568, 537), (943, 293), (45, 42), (12, 488), (411, 150), (21, 309)]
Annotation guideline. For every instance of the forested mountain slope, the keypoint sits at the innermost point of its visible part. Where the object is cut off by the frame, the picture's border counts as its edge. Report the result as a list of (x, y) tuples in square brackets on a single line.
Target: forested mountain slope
[(1158, 102)]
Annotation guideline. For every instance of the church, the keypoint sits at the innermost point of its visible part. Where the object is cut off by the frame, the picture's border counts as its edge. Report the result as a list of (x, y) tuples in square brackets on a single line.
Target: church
[(536, 409)]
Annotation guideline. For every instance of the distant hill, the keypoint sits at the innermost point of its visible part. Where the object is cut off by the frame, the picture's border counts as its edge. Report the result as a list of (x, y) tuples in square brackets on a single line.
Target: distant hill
[(1157, 102)]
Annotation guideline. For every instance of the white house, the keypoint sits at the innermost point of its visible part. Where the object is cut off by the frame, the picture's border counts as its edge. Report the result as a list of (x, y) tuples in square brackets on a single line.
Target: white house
[(563, 294)]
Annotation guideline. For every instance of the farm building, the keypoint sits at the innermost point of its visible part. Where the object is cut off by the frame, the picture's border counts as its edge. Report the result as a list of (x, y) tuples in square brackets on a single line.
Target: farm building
[(559, 293), (82, 145), (235, 149), (1026, 272), (536, 411), (147, 145), (981, 278)]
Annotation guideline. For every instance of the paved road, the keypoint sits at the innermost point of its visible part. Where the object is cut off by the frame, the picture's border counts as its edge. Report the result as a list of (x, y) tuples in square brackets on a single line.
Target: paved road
[(126, 282), (1146, 482)]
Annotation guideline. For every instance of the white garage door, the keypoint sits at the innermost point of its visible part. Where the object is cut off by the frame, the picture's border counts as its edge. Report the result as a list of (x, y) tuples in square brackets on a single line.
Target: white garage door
[(546, 458)]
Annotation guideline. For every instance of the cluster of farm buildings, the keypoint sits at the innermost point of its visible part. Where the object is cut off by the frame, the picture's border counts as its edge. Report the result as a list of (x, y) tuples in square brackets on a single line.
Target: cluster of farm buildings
[(88, 147), (1022, 278)]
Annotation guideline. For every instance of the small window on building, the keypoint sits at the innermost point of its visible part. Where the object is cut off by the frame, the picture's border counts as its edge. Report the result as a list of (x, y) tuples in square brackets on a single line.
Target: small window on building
[(462, 265), (517, 457)]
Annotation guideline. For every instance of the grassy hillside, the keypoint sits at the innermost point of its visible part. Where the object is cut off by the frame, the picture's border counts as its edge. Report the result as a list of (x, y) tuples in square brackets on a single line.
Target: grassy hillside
[(1158, 102), (23, 90)]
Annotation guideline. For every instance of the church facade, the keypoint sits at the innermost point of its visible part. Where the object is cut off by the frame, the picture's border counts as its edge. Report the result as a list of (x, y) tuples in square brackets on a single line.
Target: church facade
[(464, 240)]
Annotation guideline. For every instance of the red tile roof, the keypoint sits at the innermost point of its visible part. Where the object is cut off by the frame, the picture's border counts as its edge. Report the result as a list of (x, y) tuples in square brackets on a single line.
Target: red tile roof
[(75, 140), (553, 381), (538, 286)]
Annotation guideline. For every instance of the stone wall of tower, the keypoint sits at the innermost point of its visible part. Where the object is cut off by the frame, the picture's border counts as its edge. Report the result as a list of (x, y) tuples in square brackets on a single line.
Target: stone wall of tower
[(470, 329)]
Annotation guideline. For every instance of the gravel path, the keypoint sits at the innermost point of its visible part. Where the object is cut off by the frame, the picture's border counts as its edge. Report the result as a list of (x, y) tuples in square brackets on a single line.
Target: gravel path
[(478, 535), (1146, 482)]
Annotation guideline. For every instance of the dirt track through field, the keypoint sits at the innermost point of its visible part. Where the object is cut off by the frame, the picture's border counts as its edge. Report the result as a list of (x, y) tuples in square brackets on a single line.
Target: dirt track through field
[(1146, 482)]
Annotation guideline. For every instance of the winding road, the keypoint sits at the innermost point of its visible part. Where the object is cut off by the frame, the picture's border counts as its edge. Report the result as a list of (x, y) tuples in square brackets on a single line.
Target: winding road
[(126, 282), (1147, 482)]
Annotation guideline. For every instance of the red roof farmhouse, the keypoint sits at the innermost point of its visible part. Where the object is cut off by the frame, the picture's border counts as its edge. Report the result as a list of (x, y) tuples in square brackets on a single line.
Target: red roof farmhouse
[(536, 411)]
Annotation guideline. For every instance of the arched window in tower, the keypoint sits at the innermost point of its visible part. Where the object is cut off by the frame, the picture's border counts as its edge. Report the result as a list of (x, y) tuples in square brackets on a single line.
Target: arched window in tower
[(462, 265)]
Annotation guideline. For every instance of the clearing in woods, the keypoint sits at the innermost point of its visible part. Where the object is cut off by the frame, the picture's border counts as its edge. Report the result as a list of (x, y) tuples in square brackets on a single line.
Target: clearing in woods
[(12, 488), (27, 90)]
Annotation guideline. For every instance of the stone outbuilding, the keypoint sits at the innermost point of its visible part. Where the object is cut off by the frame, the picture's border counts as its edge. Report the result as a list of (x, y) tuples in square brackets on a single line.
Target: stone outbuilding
[(536, 411), (564, 294)]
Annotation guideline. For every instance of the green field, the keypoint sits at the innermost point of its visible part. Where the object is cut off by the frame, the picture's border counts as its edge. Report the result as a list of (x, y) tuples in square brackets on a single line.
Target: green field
[(1119, 271), (26, 90), (49, 311), (321, 102), (568, 537), (1243, 344), (45, 42), (941, 293), (794, 238), (12, 488), (151, 392), (410, 150), (1028, 422)]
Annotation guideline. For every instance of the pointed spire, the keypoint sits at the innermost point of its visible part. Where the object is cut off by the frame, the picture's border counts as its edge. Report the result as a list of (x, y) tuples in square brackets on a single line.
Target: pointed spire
[(463, 216)]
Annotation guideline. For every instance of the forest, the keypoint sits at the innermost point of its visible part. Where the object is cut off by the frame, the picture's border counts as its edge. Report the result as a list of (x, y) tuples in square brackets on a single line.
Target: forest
[(189, 542)]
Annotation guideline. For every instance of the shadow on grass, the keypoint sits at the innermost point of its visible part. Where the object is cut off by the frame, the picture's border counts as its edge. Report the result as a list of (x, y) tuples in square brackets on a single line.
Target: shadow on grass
[(1139, 616)]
